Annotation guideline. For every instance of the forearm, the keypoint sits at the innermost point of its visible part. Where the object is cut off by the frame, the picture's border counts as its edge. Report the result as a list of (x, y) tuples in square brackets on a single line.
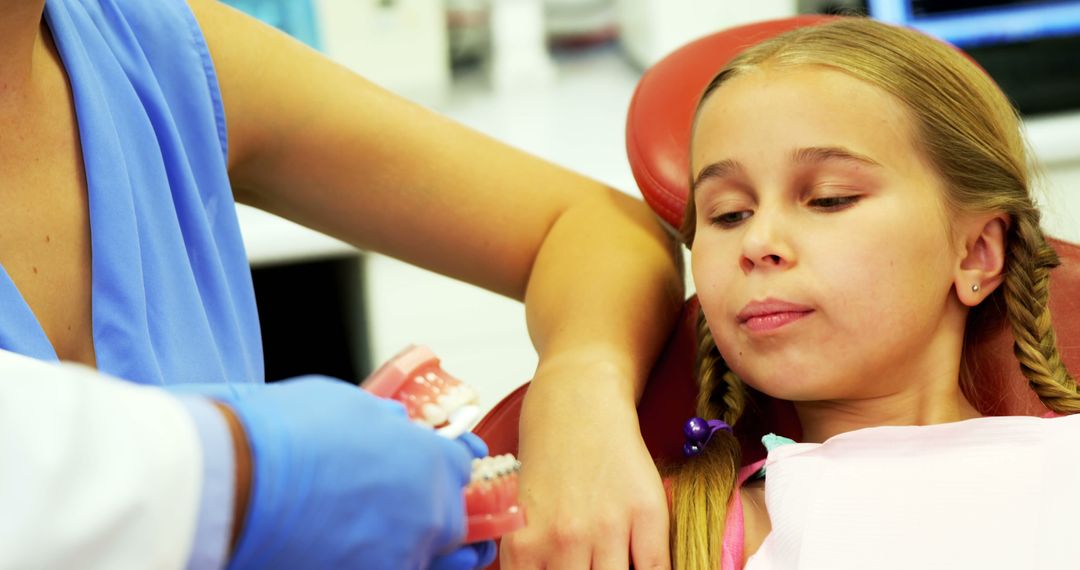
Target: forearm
[(603, 294), (601, 300)]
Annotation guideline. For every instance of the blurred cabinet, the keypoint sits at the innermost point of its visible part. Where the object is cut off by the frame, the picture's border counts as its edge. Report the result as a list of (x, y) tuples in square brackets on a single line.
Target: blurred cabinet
[(650, 29), (401, 45), (295, 17)]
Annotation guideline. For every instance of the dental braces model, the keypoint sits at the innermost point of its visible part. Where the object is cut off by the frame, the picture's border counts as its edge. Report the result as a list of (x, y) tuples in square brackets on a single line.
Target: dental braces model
[(434, 398), (430, 395), (491, 499)]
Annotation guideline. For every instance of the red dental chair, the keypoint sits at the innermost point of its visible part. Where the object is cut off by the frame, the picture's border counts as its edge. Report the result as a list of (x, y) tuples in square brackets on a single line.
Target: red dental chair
[(657, 139)]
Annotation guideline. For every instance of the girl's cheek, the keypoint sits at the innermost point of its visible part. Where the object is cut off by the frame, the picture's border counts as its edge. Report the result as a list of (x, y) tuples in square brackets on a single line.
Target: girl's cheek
[(711, 280)]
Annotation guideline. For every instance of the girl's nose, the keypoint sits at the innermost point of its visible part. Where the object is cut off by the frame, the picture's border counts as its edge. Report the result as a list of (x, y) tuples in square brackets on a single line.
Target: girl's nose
[(765, 243)]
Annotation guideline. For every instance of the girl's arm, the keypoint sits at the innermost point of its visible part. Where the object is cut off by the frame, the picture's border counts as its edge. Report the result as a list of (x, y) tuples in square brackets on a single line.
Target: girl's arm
[(313, 142)]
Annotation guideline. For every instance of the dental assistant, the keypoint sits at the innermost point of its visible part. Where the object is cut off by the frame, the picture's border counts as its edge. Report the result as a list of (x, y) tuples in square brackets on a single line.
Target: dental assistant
[(127, 130), (100, 473)]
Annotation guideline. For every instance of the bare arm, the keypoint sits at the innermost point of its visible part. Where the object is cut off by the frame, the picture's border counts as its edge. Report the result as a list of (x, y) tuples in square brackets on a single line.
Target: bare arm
[(314, 142)]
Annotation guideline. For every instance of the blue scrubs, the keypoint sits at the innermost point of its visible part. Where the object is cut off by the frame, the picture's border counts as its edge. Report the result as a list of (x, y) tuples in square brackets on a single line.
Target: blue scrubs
[(172, 293)]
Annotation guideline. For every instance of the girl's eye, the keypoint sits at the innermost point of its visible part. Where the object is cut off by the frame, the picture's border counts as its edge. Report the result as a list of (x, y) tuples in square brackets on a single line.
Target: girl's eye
[(730, 219), (833, 203)]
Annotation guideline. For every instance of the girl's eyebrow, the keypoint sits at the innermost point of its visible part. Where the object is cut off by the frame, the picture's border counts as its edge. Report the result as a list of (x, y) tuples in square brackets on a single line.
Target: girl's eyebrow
[(721, 169), (808, 155), (817, 154)]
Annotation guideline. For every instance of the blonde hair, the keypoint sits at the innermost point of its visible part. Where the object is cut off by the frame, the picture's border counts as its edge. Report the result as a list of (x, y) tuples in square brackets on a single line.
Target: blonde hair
[(971, 136)]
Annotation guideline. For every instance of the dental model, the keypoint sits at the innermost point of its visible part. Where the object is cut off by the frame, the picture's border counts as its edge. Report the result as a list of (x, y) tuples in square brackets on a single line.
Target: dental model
[(491, 499), (430, 395), (434, 398)]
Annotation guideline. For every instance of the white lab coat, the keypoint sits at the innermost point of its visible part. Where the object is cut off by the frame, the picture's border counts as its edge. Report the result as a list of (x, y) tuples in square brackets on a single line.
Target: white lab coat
[(94, 472)]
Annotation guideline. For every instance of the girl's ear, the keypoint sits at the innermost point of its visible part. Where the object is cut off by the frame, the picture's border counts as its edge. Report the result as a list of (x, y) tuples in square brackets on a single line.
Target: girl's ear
[(979, 272)]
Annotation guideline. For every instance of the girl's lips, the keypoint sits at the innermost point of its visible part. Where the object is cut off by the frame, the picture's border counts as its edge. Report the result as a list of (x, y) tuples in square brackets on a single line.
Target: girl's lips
[(771, 314), (772, 321)]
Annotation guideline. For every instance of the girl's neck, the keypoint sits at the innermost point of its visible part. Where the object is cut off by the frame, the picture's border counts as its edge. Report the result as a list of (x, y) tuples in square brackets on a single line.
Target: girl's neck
[(822, 420)]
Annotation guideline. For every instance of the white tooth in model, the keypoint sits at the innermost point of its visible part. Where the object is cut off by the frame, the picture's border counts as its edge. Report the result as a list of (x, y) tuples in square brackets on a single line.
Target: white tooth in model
[(434, 415)]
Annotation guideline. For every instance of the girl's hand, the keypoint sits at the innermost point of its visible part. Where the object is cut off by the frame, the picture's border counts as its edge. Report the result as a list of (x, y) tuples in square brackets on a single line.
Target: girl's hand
[(592, 494)]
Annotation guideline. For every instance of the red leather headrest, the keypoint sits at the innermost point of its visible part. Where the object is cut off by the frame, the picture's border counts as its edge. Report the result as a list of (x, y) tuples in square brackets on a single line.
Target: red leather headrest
[(662, 110)]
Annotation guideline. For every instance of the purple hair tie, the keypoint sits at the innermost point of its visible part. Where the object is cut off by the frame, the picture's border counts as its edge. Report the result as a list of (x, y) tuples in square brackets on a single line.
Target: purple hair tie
[(698, 432)]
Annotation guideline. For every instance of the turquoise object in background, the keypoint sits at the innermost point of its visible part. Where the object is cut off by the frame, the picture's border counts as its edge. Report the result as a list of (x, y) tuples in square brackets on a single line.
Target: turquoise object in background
[(294, 17)]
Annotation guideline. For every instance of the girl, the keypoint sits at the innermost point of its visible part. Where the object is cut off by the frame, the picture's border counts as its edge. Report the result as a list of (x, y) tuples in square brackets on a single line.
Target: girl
[(859, 200)]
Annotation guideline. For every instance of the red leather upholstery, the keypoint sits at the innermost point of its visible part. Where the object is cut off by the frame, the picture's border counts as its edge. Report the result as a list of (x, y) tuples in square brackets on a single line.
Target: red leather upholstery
[(662, 110), (658, 130)]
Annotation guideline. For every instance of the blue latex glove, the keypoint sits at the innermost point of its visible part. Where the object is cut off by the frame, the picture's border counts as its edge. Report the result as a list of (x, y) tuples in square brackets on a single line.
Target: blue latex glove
[(342, 479), (477, 446), (467, 557)]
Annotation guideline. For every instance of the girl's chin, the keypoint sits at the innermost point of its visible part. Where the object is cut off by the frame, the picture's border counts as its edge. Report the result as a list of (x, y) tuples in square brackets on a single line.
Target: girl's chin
[(786, 389)]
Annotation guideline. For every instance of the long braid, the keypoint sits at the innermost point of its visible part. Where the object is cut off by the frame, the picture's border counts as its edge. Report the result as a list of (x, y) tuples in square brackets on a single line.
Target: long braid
[(703, 485), (1027, 296)]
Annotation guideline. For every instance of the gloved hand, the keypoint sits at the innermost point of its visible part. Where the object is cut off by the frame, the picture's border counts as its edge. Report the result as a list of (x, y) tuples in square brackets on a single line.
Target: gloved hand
[(468, 557), (342, 479)]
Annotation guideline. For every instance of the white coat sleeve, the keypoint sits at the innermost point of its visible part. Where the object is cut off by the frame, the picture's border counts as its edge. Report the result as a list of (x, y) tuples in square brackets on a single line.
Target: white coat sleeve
[(94, 472)]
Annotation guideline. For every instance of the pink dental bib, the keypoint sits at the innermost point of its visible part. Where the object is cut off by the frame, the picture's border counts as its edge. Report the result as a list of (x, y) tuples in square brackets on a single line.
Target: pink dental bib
[(987, 493)]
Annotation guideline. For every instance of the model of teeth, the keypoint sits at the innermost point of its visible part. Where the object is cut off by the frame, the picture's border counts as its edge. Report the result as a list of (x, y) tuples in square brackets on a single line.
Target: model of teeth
[(491, 498), (443, 399), (434, 415), (488, 468), (430, 395)]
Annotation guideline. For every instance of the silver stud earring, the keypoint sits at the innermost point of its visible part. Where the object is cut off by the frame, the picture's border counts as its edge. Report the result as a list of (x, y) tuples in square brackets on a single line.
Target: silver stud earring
[(975, 288)]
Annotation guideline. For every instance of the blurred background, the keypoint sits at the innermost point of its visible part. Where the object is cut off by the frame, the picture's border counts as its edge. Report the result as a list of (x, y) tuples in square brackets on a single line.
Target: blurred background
[(555, 77)]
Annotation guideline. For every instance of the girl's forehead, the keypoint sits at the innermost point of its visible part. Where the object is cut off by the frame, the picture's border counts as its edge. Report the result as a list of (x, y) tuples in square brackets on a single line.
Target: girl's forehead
[(782, 109)]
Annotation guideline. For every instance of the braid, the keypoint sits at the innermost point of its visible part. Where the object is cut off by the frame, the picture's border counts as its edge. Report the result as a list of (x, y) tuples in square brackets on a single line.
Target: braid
[(702, 486), (1027, 306), (720, 392)]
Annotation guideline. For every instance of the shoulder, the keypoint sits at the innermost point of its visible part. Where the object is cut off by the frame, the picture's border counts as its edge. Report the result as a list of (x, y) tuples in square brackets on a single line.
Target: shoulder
[(252, 92)]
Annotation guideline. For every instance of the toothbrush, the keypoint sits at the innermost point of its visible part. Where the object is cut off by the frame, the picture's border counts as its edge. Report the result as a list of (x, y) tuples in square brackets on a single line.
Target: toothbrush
[(431, 396)]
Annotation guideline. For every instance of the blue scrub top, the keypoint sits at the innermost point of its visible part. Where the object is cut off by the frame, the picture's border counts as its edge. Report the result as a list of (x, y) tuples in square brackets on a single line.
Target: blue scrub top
[(172, 295)]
